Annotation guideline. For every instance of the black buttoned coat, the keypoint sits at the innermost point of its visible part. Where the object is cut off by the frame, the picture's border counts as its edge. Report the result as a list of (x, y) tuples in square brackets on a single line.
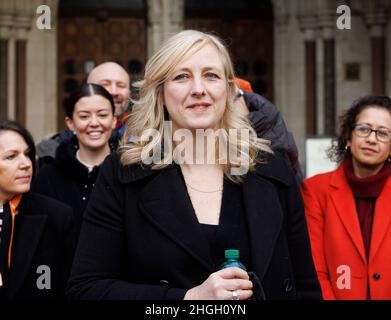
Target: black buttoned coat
[(42, 250), (140, 238)]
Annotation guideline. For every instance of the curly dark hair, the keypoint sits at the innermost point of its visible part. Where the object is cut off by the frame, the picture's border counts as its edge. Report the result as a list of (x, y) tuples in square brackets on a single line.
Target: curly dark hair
[(338, 150)]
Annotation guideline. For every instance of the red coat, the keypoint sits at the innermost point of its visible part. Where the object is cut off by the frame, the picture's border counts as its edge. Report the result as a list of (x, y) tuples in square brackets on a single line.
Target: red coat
[(336, 240)]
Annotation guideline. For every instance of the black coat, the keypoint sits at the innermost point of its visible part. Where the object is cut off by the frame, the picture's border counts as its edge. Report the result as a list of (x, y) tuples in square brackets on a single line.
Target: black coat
[(140, 238), (67, 180), (269, 124), (43, 236)]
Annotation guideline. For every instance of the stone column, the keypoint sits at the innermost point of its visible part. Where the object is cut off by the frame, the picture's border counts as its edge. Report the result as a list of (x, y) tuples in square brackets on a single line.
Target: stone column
[(376, 21), (22, 24), (15, 22), (327, 22), (307, 25), (6, 23), (165, 17), (281, 51), (3, 78)]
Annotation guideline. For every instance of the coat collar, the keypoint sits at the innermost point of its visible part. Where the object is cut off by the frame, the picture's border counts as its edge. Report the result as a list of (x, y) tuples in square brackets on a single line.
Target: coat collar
[(273, 168), (345, 205), (67, 161), (382, 219), (166, 205), (29, 226)]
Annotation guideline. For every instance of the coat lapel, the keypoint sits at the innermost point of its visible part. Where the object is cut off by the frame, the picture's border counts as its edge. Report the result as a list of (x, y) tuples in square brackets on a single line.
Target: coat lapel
[(345, 206), (382, 219), (264, 217), (167, 205), (28, 231)]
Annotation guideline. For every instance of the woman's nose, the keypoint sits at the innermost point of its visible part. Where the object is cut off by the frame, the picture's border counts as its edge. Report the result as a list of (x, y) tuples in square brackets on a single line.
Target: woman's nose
[(372, 136), (94, 120), (198, 88), (25, 162)]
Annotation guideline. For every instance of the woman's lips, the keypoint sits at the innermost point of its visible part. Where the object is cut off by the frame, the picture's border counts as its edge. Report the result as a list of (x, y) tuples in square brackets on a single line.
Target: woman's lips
[(198, 107), (95, 134), (24, 179), (368, 151)]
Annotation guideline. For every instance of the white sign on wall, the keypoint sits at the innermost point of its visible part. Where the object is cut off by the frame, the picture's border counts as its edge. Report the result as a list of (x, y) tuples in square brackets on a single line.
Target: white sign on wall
[(316, 160)]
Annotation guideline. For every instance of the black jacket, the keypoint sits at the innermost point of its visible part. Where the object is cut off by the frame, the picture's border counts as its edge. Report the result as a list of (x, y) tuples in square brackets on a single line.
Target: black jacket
[(269, 124), (67, 180), (43, 236), (141, 240)]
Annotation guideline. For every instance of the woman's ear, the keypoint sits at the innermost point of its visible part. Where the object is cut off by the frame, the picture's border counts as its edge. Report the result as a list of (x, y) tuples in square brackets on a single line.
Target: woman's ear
[(69, 123)]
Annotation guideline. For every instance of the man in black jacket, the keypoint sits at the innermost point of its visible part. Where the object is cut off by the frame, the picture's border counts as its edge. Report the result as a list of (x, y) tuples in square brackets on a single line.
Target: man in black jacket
[(269, 124)]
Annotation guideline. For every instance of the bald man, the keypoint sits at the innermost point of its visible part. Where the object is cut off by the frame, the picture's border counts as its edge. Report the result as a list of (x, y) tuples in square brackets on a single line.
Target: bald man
[(115, 80)]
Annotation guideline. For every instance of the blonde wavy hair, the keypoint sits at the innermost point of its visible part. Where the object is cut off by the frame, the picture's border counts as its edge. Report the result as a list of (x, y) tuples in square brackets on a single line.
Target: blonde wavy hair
[(149, 112)]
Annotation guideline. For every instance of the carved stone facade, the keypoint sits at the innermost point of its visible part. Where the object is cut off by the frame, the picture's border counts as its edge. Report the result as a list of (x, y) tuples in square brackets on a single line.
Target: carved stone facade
[(29, 83), (346, 64), (318, 69), (165, 17)]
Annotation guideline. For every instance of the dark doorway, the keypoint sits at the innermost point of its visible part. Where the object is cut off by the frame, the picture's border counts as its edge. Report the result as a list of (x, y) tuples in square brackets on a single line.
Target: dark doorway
[(91, 32), (247, 28)]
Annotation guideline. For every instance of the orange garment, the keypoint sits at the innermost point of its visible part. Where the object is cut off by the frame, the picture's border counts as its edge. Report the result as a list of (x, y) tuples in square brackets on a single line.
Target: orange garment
[(13, 203), (244, 85), (337, 243)]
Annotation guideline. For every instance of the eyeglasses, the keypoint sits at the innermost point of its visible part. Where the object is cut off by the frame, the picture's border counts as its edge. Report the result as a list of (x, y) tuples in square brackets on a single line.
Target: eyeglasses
[(362, 130)]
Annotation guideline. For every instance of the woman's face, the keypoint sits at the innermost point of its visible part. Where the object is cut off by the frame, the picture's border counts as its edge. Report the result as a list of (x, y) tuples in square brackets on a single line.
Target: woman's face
[(16, 169), (93, 122), (368, 152), (195, 95)]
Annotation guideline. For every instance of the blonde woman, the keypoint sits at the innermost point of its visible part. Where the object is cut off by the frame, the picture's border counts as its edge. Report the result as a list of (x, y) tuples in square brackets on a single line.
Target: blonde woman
[(170, 202)]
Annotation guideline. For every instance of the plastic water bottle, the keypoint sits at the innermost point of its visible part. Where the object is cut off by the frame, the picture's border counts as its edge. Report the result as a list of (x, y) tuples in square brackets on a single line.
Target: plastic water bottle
[(232, 260)]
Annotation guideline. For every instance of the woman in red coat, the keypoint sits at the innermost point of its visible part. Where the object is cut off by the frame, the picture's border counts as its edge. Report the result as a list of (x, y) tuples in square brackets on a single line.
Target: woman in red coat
[(349, 210)]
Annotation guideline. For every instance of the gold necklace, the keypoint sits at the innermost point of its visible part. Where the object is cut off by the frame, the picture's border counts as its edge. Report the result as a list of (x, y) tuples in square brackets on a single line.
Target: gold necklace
[(214, 191)]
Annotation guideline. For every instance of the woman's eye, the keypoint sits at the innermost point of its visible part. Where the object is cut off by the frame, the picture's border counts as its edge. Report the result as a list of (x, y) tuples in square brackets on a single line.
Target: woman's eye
[(103, 116), (83, 117), (384, 134), (211, 75), (364, 129), (10, 157), (181, 76)]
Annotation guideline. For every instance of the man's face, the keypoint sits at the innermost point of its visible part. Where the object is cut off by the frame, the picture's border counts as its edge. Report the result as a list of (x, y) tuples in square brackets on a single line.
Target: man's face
[(115, 80)]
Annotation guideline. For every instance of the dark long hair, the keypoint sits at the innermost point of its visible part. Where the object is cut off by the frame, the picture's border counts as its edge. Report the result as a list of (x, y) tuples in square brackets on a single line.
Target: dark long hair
[(87, 90), (10, 125), (338, 151)]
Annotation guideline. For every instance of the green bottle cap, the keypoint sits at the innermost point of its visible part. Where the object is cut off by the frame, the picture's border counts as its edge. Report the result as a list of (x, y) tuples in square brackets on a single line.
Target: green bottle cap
[(232, 254)]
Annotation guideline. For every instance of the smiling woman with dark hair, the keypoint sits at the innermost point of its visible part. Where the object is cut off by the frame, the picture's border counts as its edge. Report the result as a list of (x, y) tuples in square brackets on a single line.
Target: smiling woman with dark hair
[(348, 210), (71, 177), (36, 236)]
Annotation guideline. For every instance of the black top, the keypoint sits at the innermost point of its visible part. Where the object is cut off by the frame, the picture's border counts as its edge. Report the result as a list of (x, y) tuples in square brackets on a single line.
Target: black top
[(69, 181), (5, 236), (232, 231)]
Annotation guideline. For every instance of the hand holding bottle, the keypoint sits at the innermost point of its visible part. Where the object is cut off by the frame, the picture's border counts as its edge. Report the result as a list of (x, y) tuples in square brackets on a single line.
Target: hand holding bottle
[(225, 284)]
